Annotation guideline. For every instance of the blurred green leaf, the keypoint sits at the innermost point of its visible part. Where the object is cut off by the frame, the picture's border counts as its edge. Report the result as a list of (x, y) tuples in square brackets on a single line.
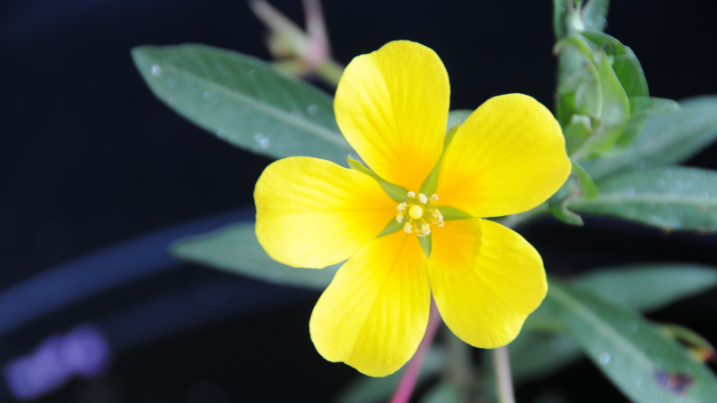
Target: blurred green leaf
[(366, 389), (395, 192), (539, 352), (664, 140), (243, 101), (635, 355), (235, 249), (647, 287), (535, 354), (671, 198)]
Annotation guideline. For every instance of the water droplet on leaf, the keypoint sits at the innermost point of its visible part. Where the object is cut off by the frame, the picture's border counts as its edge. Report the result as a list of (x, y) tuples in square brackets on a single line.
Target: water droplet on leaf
[(207, 95), (252, 73), (633, 327), (630, 192), (639, 165), (705, 195), (604, 358), (312, 109), (660, 183), (156, 70)]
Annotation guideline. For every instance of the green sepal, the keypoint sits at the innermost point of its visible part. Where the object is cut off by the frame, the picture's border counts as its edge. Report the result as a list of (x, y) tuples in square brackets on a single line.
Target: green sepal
[(431, 182), (395, 192), (452, 213), (579, 184), (391, 227), (585, 183), (426, 243)]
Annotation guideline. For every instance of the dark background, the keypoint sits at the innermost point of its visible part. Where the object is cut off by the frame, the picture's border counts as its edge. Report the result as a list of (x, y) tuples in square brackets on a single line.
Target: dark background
[(89, 158)]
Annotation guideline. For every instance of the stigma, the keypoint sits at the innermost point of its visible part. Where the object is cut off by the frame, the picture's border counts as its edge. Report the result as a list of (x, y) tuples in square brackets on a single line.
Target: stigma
[(419, 212)]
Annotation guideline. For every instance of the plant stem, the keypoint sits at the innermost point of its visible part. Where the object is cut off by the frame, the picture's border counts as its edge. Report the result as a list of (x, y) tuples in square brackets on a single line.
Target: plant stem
[(410, 376), (501, 361)]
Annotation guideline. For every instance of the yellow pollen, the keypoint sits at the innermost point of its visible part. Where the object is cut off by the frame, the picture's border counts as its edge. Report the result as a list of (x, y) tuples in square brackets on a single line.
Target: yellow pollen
[(415, 212)]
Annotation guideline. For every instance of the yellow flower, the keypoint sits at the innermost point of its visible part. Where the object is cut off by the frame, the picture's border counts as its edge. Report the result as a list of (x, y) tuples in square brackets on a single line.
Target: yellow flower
[(392, 107)]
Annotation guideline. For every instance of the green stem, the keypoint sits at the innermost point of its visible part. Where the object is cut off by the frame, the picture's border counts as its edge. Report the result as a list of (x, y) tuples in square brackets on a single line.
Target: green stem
[(504, 381), (330, 71)]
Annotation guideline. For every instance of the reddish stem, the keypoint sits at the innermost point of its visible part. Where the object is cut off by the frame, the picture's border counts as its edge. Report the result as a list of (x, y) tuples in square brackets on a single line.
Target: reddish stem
[(410, 376)]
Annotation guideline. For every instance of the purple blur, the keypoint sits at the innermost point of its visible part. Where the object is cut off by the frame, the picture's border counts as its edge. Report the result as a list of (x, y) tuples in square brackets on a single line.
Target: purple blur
[(84, 351)]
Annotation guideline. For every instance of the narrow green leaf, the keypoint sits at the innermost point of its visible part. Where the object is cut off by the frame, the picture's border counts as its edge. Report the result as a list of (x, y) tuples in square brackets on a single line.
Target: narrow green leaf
[(562, 10), (391, 227), (426, 244), (243, 100), (631, 352), (665, 139), (654, 106), (670, 198), (452, 213), (365, 389), (584, 182), (395, 192), (647, 287), (624, 62), (538, 351), (235, 249)]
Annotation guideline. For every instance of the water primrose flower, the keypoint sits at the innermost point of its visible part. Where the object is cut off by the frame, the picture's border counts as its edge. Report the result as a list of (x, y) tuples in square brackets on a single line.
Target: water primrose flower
[(392, 107)]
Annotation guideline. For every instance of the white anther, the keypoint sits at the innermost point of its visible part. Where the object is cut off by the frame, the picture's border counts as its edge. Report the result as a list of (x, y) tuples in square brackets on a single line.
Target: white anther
[(399, 217), (401, 207), (411, 194), (426, 228), (422, 198), (407, 227), (434, 198), (440, 224)]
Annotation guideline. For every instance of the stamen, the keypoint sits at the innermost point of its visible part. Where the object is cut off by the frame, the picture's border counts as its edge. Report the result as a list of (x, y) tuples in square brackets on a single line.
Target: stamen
[(399, 217), (422, 198), (426, 228), (401, 206), (434, 198), (407, 227), (411, 194)]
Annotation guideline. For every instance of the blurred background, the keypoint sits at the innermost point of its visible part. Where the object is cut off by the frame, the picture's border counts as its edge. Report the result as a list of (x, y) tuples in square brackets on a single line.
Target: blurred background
[(90, 159)]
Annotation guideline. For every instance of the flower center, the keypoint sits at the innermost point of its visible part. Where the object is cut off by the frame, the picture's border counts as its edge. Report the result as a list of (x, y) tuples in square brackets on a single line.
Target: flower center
[(421, 213)]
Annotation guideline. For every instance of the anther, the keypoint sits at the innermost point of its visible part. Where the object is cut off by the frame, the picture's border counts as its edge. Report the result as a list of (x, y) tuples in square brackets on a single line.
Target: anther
[(411, 194), (399, 217), (422, 198), (434, 198), (407, 227), (426, 228), (401, 207)]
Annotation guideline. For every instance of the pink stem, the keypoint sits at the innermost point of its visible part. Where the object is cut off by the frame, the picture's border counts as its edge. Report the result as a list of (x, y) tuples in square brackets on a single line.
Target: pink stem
[(410, 376)]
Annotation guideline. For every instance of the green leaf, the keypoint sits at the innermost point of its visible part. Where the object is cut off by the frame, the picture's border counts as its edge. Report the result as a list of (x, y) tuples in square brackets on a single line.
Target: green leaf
[(578, 184), (235, 249), (665, 139), (640, 109), (670, 198), (393, 191), (624, 62), (647, 287), (539, 352), (630, 351), (614, 112), (451, 213), (243, 101), (536, 354), (365, 389)]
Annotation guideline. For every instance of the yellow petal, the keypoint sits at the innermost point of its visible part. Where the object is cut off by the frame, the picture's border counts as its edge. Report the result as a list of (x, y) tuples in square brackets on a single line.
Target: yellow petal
[(508, 157), (374, 313), (392, 107), (313, 213), (485, 279)]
